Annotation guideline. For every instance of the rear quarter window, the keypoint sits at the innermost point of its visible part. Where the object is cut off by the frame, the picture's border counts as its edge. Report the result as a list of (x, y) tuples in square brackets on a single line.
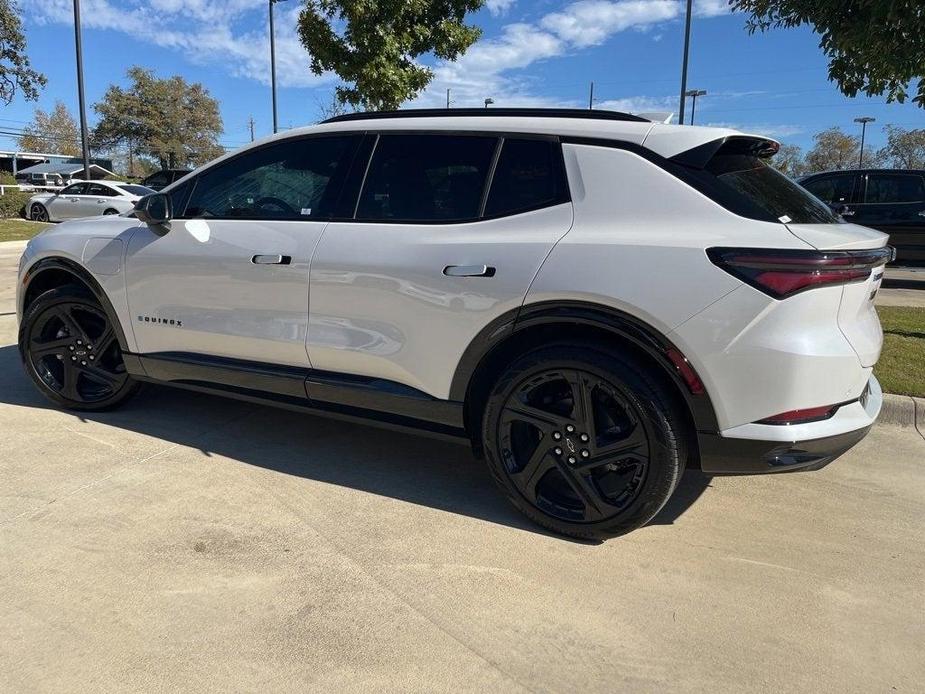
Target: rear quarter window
[(894, 188)]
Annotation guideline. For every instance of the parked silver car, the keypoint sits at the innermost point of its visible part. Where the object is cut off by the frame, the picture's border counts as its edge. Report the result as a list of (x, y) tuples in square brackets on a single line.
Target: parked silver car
[(85, 199)]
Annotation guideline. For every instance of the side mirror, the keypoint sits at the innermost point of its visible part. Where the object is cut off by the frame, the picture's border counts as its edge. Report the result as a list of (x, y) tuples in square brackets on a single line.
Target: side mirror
[(154, 209)]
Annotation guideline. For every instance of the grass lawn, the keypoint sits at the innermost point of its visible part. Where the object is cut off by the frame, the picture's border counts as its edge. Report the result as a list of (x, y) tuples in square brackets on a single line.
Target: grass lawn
[(19, 229), (901, 368)]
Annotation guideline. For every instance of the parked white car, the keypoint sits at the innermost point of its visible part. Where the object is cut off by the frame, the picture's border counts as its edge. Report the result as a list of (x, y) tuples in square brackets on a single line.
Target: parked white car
[(593, 300), (85, 199)]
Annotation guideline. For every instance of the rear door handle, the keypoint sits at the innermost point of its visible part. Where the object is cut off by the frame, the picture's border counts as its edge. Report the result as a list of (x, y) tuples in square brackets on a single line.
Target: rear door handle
[(271, 260), (469, 271), (848, 213), (922, 213)]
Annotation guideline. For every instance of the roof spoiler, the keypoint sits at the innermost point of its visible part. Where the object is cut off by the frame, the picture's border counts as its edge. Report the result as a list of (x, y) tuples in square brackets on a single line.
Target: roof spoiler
[(664, 117), (700, 156)]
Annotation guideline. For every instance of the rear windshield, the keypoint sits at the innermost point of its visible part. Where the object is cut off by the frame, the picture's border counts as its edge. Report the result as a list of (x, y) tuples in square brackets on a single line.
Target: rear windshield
[(769, 190), (136, 189)]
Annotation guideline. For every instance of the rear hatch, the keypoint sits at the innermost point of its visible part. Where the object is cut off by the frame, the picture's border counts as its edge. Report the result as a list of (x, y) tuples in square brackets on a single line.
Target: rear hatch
[(857, 317)]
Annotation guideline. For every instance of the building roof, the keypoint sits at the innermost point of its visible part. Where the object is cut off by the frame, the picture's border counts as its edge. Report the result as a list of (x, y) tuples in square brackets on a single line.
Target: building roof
[(66, 169)]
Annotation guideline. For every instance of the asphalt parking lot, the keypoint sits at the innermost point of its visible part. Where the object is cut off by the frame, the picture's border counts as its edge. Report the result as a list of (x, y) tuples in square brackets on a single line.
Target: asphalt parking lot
[(190, 543)]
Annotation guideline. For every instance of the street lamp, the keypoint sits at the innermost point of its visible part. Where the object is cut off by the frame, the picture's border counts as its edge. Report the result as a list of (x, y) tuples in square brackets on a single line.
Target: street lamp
[(85, 143), (687, 48), (488, 102), (694, 93), (864, 120), (272, 61)]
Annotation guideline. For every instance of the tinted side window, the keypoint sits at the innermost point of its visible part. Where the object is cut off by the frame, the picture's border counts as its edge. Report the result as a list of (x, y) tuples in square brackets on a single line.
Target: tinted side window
[(835, 190), (76, 189), (529, 175), (882, 188), (99, 189), (158, 179), (293, 179), (424, 178)]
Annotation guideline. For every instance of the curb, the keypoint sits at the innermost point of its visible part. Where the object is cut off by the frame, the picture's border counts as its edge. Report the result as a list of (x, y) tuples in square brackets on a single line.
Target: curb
[(903, 411)]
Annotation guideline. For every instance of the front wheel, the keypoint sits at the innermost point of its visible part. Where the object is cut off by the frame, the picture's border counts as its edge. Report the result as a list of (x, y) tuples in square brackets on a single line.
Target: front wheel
[(69, 349), (583, 441)]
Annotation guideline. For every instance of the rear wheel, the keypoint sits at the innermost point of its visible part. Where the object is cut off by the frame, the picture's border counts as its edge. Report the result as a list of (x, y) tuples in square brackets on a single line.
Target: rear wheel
[(583, 441), (110, 211), (70, 350), (38, 213)]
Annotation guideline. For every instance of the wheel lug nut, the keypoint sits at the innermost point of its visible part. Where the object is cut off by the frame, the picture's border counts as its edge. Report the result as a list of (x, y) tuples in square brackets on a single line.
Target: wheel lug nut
[(571, 459), (584, 437), (82, 361), (585, 454), (556, 435), (558, 451), (92, 357), (71, 348), (570, 428), (73, 358), (79, 342)]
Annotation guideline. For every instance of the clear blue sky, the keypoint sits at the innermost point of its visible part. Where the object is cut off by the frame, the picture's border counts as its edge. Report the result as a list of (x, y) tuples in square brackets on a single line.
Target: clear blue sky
[(543, 52)]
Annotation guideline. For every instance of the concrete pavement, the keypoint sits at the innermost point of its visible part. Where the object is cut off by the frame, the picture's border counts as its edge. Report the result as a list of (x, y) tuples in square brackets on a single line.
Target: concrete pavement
[(190, 543)]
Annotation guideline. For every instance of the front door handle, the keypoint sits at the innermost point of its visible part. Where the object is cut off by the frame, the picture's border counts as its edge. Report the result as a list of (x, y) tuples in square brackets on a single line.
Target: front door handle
[(922, 213), (848, 213), (271, 259), (469, 271)]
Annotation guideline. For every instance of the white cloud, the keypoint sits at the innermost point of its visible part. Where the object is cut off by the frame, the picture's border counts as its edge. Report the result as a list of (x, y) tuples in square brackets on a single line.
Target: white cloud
[(232, 33), (591, 22), (766, 129), (497, 7)]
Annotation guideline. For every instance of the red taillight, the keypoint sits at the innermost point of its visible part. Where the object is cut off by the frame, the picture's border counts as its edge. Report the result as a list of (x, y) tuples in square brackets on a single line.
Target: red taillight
[(784, 272), (810, 414)]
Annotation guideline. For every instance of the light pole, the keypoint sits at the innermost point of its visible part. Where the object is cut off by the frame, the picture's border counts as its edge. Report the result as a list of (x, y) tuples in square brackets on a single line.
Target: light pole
[(85, 143), (273, 62), (864, 120), (488, 102), (687, 48), (694, 93)]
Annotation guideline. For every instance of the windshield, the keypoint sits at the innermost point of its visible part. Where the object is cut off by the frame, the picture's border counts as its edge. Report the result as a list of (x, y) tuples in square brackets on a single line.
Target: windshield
[(769, 190), (136, 189)]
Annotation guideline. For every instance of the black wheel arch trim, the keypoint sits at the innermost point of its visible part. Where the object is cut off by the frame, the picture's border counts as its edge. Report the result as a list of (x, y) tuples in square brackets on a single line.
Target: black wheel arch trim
[(86, 278), (618, 323)]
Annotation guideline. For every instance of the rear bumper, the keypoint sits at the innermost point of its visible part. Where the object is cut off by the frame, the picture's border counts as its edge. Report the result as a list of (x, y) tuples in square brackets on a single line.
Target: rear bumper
[(727, 454)]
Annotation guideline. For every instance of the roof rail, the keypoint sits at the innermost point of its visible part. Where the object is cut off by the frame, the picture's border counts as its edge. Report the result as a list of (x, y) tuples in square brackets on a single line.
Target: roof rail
[(489, 113)]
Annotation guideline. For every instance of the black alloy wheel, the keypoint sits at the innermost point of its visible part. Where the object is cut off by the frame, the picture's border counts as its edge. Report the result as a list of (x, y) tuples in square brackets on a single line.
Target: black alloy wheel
[(70, 349), (580, 444), (38, 213)]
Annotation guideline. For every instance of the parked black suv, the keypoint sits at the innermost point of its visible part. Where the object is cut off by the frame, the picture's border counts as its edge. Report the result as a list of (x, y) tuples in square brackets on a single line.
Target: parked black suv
[(162, 179), (889, 200)]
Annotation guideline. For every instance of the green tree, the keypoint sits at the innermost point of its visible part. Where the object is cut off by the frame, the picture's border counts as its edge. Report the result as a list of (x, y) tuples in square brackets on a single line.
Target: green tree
[(15, 69), (169, 120), (374, 45), (905, 149), (834, 149), (56, 132), (789, 160), (873, 46)]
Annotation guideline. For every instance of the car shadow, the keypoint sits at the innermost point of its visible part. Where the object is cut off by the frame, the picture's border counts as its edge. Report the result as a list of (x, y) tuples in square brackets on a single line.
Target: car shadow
[(410, 468)]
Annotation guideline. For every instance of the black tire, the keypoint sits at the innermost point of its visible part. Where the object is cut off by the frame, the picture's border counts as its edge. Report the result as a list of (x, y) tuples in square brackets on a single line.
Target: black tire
[(70, 350), (110, 211), (38, 213), (594, 484)]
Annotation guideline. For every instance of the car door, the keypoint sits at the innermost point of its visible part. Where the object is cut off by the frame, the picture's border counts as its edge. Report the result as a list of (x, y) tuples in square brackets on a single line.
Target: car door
[(894, 203), (229, 278), (66, 204), (99, 197), (437, 249)]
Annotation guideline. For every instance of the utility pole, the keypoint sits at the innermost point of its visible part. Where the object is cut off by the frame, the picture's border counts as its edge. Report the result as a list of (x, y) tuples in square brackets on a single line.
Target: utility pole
[(447, 98), (84, 139), (273, 63), (131, 160), (863, 121), (694, 93), (250, 123), (687, 49), (591, 97)]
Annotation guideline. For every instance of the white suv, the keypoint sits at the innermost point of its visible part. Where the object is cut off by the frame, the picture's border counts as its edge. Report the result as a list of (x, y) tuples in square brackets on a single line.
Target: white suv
[(593, 300)]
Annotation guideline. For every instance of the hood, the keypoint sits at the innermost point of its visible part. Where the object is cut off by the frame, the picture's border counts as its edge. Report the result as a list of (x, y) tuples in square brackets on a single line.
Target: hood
[(104, 226)]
